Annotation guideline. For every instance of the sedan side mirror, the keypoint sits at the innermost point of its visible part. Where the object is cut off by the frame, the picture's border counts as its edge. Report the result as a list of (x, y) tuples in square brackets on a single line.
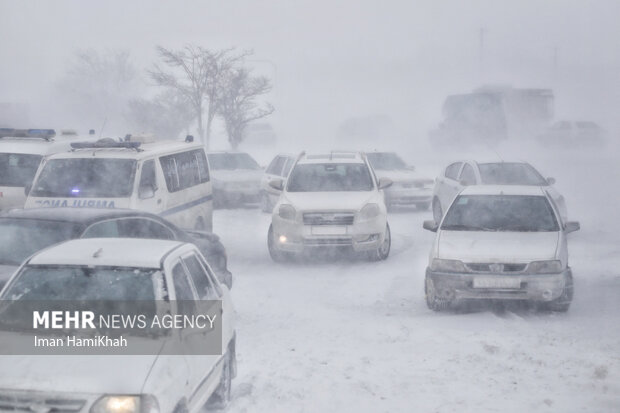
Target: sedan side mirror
[(385, 183), (277, 184), (430, 226), (571, 226), (550, 181)]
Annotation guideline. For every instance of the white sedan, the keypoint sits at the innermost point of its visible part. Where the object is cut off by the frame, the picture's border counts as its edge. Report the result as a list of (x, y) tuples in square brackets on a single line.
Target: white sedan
[(119, 270), (461, 174), (500, 242)]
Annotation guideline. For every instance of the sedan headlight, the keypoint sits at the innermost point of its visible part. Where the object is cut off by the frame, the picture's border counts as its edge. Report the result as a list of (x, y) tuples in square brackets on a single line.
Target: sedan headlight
[(369, 211), (287, 212), (126, 404), (447, 265), (545, 267)]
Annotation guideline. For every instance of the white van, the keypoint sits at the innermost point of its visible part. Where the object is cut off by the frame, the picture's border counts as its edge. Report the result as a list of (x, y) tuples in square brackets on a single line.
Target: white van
[(21, 153), (168, 178)]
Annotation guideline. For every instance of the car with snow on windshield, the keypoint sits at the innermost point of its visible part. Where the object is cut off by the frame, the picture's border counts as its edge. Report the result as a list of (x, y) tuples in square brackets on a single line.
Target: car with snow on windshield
[(330, 200), (503, 243), (236, 178)]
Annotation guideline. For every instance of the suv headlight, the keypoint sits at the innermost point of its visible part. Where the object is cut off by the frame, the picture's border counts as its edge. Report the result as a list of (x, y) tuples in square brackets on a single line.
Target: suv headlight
[(287, 212), (126, 404), (545, 267), (447, 265), (369, 211)]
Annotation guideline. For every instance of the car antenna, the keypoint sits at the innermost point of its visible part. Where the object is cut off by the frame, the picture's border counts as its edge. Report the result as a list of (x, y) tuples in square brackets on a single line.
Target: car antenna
[(105, 120), (97, 253)]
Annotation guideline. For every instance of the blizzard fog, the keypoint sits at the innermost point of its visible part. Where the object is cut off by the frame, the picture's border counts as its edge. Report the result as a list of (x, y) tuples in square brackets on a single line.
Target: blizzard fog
[(355, 336)]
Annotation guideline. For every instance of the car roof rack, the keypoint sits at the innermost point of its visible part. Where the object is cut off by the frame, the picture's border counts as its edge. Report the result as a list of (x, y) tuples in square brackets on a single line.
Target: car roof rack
[(106, 143), (46, 134)]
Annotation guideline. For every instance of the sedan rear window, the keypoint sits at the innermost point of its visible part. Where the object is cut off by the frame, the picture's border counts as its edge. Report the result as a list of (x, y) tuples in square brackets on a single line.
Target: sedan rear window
[(510, 213), (506, 173), (330, 177)]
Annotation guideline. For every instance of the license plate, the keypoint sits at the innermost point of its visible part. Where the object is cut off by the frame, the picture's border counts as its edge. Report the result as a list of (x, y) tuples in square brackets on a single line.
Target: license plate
[(329, 230), (496, 282)]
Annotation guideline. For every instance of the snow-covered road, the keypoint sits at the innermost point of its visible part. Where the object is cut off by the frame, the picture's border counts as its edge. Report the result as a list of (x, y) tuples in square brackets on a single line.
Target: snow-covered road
[(354, 336)]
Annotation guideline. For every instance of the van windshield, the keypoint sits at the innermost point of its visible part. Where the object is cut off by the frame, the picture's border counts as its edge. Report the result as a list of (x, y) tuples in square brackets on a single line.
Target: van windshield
[(86, 177), (18, 169)]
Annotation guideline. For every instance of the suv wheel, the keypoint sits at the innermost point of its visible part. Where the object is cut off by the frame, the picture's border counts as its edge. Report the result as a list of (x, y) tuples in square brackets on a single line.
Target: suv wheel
[(383, 251), (433, 301)]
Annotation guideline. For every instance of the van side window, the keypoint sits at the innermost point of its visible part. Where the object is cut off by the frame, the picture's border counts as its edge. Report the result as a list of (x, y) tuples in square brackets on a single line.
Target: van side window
[(185, 169), (148, 177), (452, 171)]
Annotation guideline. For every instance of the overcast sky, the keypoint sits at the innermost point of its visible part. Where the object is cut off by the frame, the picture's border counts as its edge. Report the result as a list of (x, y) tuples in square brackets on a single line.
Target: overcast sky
[(334, 59)]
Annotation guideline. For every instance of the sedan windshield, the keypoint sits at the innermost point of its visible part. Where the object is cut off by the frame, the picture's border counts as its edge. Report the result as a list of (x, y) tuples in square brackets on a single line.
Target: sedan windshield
[(232, 161), (18, 169), (500, 213), (330, 177), (78, 283), (386, 161), (86, 177), (20, 238), (510, 174)]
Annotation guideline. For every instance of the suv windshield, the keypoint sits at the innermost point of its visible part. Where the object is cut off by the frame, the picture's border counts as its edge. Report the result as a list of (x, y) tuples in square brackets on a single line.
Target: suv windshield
[(18, 169), (386, 161), (231, 161), (20, 238), (510, 174), (86, 177), (330, 177), (76, 283), (518, 213)]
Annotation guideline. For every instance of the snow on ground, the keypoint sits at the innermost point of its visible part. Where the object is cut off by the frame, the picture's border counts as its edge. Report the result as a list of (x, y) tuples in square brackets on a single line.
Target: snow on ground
[(357, 336)]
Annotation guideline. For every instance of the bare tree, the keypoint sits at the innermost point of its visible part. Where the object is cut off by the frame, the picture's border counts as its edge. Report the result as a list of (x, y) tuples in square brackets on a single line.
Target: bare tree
[(197, 74), (165, 116), (98, 85), (238, 104)]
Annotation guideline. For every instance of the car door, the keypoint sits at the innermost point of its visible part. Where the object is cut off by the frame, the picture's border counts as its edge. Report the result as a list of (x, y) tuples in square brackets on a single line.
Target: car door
[(150, 194), (448, 185), (273, 171)]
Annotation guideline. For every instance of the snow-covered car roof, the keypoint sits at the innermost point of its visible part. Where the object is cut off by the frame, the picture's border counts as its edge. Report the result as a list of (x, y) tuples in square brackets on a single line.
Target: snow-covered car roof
[(125, 252), (503, 190), (334, 156)]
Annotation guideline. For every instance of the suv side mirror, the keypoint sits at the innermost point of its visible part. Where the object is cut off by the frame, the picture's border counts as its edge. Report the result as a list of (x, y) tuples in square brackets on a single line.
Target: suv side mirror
[(571, 226), (277, 184), (385, 183), (146, 191), (430, 226), (550, 181), (27, 189)]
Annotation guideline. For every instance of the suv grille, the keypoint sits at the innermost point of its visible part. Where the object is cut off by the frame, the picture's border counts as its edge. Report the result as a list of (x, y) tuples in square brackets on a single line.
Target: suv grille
[(496, 267), (329, 218), (37, 403)]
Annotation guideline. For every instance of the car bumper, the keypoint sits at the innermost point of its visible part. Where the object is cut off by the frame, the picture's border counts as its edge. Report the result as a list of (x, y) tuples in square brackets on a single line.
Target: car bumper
[(361, 236), (408, 196), (531, 287)]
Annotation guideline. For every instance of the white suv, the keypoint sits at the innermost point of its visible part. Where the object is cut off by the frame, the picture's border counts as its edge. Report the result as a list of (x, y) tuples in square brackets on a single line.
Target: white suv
[(500, 242), (330, 200), (119, 270)]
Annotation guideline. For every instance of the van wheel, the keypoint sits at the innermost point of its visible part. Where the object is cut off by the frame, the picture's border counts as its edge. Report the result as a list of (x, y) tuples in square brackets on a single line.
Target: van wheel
[(433, 301), (200, 224), (221, 396), (562, 303), (437, 212), (383, 251)]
